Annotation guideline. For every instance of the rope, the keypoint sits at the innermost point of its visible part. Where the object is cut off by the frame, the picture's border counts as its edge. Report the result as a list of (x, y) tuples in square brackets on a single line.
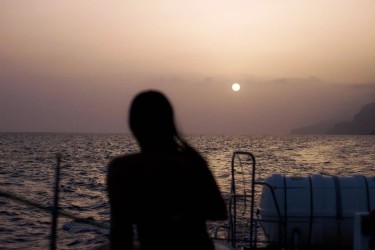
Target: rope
[(311, 211), (367, 194), (339, 216), (34, 204)]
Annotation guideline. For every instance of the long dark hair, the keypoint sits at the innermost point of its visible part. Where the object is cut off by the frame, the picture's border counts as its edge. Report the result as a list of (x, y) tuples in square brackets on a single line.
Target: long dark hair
[(151, 120)]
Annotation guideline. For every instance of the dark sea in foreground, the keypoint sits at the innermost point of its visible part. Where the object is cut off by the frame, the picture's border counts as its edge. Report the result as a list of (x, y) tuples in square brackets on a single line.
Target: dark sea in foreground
[(28, 160)]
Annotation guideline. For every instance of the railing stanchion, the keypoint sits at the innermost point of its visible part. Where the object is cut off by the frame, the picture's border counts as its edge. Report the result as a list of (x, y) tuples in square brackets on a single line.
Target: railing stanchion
[(55, 207)]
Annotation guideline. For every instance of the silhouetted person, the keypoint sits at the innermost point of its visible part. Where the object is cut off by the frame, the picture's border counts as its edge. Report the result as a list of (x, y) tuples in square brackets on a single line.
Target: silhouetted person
[(166, 192)]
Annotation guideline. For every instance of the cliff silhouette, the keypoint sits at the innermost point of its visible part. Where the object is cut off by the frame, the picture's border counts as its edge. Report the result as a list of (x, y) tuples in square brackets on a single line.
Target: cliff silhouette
[(363, 123), (315, 129)]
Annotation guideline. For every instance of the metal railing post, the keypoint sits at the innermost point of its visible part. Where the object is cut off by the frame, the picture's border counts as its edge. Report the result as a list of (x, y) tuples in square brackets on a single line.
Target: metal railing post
[(55, 207)]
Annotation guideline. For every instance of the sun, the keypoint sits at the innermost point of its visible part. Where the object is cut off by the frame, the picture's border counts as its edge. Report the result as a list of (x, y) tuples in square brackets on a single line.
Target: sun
[(236, 87)]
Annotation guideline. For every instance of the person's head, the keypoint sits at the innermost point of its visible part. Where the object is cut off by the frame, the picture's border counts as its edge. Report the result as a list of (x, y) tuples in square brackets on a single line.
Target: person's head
[(151, 119)]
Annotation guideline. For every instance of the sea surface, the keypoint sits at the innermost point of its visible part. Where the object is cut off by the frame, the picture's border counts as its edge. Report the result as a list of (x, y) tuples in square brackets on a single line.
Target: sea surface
[(28, 161)]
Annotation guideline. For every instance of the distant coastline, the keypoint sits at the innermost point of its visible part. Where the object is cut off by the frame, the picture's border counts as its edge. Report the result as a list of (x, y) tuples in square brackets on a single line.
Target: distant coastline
[(363, 123)]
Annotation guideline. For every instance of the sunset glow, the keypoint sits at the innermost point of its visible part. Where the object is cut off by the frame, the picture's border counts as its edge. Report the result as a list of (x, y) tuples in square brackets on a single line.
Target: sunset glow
[(75, 65)]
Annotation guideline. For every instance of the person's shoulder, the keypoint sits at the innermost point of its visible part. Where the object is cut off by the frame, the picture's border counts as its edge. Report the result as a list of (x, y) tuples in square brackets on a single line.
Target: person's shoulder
[(124, 161), (121, 170), (193, 157)]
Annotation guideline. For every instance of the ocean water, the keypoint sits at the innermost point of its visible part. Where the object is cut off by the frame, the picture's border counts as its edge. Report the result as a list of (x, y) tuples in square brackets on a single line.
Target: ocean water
[(28, 160)]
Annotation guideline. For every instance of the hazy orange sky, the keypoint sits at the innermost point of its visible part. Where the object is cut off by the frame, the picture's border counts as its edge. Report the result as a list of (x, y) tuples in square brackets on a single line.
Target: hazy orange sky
[(73, 66)]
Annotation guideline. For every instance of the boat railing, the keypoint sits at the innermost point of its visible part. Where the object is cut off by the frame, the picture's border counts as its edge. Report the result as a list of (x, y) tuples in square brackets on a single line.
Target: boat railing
[(55, 210), (244, 227)]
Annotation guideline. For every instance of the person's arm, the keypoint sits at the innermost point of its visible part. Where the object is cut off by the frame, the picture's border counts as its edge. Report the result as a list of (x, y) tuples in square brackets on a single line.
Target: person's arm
[(209, 197), (121, 231), (214, 202)]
